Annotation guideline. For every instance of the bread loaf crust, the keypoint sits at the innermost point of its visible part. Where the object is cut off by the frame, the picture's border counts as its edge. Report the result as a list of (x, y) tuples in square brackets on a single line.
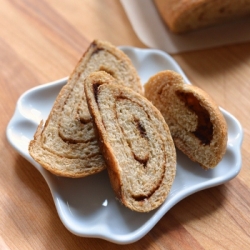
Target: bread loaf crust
[(66, 145), (197, 126), (135, 142), (186, 15)]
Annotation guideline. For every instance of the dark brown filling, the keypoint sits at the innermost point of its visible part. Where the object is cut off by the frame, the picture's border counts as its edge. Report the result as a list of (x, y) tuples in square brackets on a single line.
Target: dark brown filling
[(141, 129), (141, 197), (143, 134), (73, 141), (204, 129), (96, 49), (142, 161), (95, 90)]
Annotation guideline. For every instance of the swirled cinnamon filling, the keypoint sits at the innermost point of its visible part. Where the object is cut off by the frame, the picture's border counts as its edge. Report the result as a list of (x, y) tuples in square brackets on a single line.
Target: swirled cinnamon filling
[(204, 129), (141, 143)]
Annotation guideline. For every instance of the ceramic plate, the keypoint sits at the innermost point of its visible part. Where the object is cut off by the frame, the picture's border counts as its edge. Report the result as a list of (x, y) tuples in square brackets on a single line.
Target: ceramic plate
[(87, 206)]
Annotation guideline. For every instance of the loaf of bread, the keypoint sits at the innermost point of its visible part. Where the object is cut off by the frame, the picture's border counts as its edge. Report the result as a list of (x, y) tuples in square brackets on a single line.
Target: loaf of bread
[(135, 142), (197, 125), (66, 145), (186, 15)]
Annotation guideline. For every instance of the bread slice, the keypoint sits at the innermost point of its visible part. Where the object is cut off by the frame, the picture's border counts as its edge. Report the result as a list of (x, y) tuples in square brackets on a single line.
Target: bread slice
[(135, 142), (66, 145), (186, 15), (195, 121)]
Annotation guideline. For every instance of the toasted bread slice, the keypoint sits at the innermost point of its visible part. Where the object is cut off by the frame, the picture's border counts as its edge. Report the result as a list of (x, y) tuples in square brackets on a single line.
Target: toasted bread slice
[(66, 145), (135, 142), (196, 123)]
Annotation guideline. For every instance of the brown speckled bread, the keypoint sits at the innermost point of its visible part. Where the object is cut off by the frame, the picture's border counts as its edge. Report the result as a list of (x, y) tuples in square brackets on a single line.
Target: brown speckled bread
[(197, 126), (186, 15), (135, 141), (66, 145)]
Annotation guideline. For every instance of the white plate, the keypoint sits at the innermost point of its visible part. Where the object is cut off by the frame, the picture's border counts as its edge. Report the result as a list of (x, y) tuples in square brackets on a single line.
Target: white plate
[(153, 32), (87, 206)]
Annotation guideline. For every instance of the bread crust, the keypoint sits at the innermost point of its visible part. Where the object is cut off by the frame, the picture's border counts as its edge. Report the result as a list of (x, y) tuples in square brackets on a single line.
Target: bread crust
[(186, 15), (66, 145), (135, 142), (197, 126)]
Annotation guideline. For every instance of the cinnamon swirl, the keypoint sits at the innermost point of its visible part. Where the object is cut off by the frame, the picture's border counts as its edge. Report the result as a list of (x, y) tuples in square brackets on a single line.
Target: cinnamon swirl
[(67, 145), (197, 125), (135, 142)]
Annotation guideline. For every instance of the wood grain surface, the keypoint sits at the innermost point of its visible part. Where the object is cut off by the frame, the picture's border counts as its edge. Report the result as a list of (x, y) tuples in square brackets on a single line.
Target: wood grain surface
[(41, 41)]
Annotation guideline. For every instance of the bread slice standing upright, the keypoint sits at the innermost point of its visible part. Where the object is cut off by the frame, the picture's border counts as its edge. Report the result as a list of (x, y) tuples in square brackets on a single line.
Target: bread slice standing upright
[(135, 142), (66, 145), (194, 119)]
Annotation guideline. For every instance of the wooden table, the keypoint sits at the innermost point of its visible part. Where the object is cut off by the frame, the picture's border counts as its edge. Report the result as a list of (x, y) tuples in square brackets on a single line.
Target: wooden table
[(41, 41)]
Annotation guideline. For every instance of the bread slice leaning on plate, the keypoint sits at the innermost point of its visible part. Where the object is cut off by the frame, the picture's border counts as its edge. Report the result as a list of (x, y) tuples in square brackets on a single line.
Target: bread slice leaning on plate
[(197, 125), (66, 145), (135, 142)]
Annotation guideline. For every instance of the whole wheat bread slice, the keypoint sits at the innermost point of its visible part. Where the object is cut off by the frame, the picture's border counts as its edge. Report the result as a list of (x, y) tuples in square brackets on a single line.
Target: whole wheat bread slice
[(196, 123), (135, 142), (66, 145)]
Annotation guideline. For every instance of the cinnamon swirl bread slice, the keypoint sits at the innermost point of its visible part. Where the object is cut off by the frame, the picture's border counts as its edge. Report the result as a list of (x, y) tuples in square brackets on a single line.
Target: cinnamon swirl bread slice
[(135, 142), (67, 145), (197, 126)]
